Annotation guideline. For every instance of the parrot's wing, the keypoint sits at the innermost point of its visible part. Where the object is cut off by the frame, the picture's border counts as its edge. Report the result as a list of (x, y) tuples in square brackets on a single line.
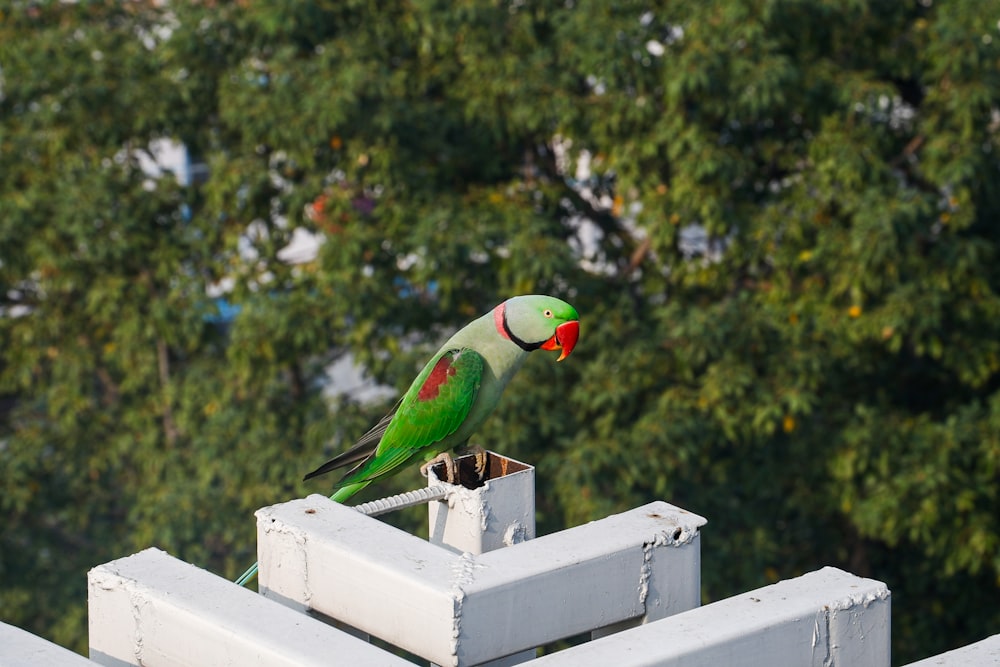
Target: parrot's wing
[(360, 451), (433, 408)]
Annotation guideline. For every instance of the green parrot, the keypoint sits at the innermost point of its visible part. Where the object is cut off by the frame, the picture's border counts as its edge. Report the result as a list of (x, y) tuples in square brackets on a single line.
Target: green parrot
[(455, 392)]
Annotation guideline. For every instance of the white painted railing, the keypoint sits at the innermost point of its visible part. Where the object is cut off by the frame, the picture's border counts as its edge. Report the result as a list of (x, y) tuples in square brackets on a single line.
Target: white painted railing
[(480, 592)]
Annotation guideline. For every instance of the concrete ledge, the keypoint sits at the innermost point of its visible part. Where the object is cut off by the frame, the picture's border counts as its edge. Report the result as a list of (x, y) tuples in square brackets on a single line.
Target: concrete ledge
[(152, 609), (823, 618), (20, 647)]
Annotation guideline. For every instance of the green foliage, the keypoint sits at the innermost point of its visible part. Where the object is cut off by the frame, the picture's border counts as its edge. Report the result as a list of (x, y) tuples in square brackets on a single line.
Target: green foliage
[(817, 376)]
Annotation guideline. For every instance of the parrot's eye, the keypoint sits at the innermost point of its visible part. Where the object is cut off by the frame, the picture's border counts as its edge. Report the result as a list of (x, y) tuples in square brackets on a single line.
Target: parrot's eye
[(547, 313)]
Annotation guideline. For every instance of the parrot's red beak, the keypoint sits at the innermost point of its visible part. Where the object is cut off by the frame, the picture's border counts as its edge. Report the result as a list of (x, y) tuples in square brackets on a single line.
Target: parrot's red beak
[(564, 338)]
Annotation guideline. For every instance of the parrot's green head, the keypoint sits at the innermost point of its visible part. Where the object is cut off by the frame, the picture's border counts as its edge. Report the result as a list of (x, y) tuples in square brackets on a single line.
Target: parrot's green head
[(536, 322)]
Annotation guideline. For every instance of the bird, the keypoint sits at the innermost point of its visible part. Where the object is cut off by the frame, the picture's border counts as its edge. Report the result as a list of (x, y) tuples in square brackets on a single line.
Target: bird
[(455, 392)]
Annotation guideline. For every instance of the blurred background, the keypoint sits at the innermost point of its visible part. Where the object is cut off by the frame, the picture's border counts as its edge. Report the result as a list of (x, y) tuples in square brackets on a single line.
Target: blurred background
[(231, 233)]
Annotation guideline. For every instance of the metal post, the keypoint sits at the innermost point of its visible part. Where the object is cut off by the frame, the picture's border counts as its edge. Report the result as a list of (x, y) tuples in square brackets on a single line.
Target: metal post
[(497, 511)]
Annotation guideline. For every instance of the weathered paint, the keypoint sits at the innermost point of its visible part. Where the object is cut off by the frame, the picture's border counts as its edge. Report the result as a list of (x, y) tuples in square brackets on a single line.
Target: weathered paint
[(827, 618)]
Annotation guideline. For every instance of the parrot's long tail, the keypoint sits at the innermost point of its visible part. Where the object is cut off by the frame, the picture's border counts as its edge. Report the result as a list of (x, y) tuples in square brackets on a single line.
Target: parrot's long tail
[(339, 496), (345, 492), (247, 576)]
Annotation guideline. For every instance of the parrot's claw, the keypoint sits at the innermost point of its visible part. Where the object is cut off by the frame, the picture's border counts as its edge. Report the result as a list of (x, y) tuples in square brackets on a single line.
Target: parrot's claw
[(482, 460), (451, 473)]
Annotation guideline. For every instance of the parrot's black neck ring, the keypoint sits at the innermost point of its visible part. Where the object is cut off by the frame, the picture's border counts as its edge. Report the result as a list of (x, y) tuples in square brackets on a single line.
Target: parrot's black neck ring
[(527, 347)]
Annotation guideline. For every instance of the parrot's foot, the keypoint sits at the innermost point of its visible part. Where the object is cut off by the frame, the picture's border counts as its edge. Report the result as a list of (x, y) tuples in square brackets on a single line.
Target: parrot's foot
[(451, 471), (482, 460)]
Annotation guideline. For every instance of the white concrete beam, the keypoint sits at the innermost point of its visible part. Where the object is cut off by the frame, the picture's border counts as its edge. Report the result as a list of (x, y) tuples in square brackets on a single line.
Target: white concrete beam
[(980, 654), (462, 609), (151, 609), (827, 618), (20, 647)]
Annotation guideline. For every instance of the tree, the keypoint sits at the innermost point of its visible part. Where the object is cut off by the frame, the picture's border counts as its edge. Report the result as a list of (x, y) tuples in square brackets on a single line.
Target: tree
[(774, 217)]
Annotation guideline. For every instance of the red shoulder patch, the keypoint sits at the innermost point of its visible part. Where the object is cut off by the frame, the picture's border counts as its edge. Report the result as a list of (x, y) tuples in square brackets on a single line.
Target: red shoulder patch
[(439, 375)]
